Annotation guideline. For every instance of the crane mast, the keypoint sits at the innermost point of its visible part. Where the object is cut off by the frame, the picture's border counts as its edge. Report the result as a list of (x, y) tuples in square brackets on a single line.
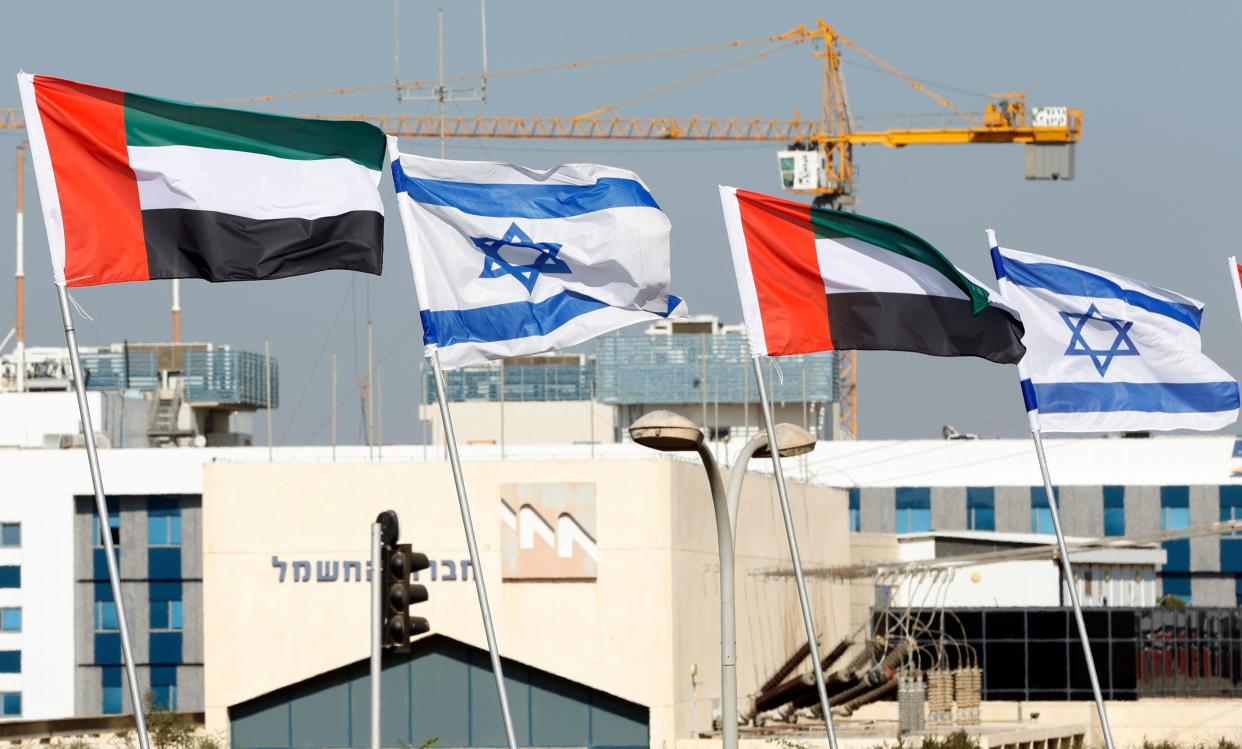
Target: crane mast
[(818, 159)]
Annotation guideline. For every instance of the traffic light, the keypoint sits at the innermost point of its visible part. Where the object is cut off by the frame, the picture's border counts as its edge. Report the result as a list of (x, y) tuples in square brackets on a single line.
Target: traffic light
[(398, 564)]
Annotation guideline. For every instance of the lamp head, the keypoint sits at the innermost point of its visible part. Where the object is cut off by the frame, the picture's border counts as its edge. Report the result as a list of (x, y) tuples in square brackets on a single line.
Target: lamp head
[(790, 440), (666, 431)]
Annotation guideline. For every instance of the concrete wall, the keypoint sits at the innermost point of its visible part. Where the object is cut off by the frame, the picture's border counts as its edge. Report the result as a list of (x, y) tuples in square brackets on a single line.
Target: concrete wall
[(45, 596), (525, 423), (635, 631)]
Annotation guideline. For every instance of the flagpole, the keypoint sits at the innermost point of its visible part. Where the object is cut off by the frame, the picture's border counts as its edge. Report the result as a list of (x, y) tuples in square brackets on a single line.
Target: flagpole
[(803, 599), (450, 441), (101, 509), (1068, 574)]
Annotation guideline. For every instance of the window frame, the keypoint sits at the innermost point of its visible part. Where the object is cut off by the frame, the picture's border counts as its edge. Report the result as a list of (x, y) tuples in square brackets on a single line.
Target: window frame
[(5, 610), (4, 704), (100, 616), (1114, 499), (4, 529)]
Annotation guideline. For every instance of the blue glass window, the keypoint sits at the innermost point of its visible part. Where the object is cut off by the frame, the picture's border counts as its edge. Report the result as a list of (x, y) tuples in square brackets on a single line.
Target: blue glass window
[(164, 686), (107, 648), (105, 616), (10, 661), (112, 701), (165, 647), (1174, 507), (11, 619), (164, 563), (981, 508), (10, 534), (913, 510), (855, 510), (10, 704), (163, 522), (1231, 506), (166, 615), (1114, 511), (1177, 585), (114, 524), (1041, 513), (10, 576)]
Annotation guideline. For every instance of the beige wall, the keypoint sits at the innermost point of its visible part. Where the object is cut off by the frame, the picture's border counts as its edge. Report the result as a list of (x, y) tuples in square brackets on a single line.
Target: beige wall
[(526, 423), (634, 631)]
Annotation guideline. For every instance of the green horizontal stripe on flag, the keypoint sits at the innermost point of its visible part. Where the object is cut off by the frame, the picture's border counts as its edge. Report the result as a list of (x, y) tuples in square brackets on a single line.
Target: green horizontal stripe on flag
[(162, 122), (830, 224)]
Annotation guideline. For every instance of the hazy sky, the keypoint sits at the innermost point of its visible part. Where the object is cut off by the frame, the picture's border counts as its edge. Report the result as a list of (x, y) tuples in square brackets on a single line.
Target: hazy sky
[(1157, 180)]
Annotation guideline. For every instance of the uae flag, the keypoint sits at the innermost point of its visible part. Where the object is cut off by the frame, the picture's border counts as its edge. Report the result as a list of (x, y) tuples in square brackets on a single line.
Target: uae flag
[(136, 188), (1235, 273), (815, 279)]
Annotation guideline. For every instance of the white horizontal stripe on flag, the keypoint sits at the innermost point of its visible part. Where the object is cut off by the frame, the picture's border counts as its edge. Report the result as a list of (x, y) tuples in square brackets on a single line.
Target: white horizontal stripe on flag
[(618, 256), (504, 173), (1124, 421), (852, 265), (1166, 352), (578, 330), (251, 185)]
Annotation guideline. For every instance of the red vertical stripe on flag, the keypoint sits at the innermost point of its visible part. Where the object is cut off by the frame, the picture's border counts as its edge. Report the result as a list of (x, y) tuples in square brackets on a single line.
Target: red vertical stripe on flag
[(85, 131), (788, 280)]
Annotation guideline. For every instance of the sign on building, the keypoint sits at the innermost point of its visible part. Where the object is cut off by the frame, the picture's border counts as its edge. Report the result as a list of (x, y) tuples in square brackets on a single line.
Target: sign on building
[(548, 531)]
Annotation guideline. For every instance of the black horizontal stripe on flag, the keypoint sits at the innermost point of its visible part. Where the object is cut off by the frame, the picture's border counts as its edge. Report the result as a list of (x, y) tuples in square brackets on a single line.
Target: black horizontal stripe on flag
[(222, 247), (934, 325)]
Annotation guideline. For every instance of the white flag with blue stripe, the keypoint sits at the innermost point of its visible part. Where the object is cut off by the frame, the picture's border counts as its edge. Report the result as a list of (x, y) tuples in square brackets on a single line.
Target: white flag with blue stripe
[(1107, 353), (511, 261)]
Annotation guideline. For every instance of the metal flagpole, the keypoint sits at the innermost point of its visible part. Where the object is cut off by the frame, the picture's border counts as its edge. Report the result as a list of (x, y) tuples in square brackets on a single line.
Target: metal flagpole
[(101, 508), (803, 600), (1068, 574), (501, 388), (450, 441), (377, 635)]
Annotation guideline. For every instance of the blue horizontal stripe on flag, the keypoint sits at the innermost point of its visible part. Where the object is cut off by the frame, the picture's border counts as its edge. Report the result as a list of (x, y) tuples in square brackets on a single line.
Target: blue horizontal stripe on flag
[(503, 322), (1062, 279), (1157, 397), (525, 201)]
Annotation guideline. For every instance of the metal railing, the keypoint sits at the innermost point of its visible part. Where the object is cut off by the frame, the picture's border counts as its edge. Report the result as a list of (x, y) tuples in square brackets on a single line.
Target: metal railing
[(229, 377)]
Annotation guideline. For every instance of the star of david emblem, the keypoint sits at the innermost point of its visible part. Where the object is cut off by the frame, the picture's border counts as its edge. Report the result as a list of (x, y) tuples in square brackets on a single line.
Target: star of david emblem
[(1101, 357), (541, 257)]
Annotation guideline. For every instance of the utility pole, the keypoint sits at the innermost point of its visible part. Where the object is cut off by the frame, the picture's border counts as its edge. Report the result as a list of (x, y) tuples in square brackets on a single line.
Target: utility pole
[(333, 405), (370, 398), (267, 382), (20, 274), (176, 310), (442, 94)]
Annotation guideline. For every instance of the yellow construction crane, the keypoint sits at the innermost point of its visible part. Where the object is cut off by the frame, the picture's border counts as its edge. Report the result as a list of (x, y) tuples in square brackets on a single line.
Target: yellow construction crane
[(818, 158)]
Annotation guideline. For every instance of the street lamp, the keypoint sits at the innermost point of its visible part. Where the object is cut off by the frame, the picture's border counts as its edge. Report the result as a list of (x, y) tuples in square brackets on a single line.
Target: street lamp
[(669, 432), (790, 440)]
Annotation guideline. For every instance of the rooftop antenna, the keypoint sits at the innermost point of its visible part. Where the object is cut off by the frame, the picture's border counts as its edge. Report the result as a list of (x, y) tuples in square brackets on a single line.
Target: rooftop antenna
[(441, 94)]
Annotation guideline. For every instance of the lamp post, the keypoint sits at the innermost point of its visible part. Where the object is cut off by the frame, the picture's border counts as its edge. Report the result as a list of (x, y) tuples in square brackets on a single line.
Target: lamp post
[(669, 432)]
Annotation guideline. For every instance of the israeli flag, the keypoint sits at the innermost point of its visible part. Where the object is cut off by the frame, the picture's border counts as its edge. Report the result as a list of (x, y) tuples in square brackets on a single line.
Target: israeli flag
[(1107, 353), (511, 261)]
